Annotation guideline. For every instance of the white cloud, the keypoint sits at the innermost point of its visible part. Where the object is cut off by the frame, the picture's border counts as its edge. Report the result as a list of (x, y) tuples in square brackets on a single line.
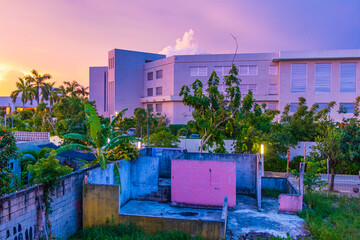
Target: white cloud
[(184, 46)]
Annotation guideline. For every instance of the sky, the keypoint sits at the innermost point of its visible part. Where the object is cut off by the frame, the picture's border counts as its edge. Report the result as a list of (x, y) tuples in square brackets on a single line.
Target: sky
[(66, 37)]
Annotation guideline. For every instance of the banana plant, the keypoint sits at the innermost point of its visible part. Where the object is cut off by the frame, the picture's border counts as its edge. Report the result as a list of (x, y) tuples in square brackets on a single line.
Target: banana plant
[(102, 138)]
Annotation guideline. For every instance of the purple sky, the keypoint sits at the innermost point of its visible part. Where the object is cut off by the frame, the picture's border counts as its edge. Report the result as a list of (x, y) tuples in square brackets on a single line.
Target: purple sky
[(65, 37)]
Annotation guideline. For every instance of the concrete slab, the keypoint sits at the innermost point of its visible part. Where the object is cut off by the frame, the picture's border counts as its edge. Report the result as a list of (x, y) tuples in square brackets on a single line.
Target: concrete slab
[(165, 210), (244, 218)]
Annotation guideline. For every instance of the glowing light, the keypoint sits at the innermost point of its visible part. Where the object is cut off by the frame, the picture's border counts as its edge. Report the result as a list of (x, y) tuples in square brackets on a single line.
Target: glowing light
[(262, 149)]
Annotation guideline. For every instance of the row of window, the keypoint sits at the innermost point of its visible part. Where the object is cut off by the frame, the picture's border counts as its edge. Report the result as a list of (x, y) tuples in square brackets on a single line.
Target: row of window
[(158, 91), (111, 63), (323, 77), (158, 107), (150, 75), (348, 107), (201, 71)]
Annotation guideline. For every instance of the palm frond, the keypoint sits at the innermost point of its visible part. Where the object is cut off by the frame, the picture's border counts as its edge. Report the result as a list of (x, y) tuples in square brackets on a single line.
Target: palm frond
[(119, 139), (73, 146), (118, 117), (92, 119), (80, 137)]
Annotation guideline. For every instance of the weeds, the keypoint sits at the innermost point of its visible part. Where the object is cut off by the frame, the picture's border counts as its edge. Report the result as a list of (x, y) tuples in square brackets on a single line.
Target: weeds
[(333, 216), (127, 231)]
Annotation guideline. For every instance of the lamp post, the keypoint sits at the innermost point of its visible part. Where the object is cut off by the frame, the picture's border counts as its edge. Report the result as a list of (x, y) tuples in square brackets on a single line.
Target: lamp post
[(262, 158), (147, 126)]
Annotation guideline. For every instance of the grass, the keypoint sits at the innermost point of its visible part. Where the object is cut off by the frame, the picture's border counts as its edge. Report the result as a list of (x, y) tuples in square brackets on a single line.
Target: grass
[(127, 232), (333, 216)]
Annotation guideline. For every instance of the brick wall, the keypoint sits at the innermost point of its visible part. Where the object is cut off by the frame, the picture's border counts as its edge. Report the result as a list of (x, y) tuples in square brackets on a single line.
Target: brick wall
[(21, 215)]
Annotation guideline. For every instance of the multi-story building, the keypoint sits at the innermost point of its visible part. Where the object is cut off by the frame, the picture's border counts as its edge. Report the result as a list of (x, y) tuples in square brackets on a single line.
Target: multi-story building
[(136, 79)]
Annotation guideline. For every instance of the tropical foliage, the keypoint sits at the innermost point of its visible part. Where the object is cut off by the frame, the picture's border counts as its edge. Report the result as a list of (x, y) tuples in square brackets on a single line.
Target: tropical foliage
[(164, 139)]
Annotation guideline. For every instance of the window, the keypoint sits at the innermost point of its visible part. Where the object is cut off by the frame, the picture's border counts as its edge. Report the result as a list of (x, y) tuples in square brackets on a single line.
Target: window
[(273, 89), (159, 74), (348, 77), (150, 107), (158, 91), (271, 106), (244, 88), (198, 71), (293, 107), (253, 88), (347, 107), (322, 77), (158, 107), (150, 92), (248, 70), (322, 106), (150, 76), (298, 77), (273, 70), (222, 71)]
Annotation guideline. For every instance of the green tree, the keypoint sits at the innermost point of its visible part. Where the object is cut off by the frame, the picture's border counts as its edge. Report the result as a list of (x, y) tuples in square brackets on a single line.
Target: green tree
[(27, 92), (7, 152), (213, 110), (252, 125), (164, 139), (47, 172), (49, 93), (330, 146), (38, 80), (82, 92)]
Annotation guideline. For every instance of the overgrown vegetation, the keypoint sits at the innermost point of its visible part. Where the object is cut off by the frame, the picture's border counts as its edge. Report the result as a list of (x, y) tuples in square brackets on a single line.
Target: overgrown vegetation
[(47, 172), (332, 217), (128, 232)]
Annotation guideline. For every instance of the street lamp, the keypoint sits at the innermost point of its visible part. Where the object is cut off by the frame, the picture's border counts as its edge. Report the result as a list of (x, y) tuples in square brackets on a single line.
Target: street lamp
[(262, 158)]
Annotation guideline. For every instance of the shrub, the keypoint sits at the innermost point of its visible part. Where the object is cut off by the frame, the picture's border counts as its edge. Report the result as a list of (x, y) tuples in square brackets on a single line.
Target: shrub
[(163, 139)]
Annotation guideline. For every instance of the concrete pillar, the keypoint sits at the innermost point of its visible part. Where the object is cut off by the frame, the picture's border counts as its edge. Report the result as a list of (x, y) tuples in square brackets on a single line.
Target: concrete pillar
[(258, 181), (301, 179)]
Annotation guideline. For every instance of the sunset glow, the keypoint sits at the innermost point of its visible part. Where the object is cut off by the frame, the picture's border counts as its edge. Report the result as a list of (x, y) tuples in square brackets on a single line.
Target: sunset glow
[(64, 38)]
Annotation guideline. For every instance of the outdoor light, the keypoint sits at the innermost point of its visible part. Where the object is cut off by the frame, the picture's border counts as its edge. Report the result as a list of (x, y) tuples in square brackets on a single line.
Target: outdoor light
[(139, 145), (116, 113), (262, 149), (108, 140)]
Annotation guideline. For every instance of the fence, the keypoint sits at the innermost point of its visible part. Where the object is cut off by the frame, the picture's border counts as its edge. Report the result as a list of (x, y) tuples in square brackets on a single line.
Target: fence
[(31, 136)]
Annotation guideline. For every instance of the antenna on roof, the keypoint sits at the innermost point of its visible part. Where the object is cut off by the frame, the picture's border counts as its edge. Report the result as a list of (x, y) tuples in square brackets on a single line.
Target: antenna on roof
[(236, 42)]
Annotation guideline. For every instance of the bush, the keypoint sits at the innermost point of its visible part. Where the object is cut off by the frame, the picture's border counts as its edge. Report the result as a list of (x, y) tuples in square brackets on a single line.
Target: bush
[(163, 139), (175, 128), (124, 151), (275, 164)]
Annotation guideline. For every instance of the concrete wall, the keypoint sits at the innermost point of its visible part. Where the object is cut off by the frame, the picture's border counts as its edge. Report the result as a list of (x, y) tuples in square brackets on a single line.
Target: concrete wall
[(245, 168), (203, 182), (100, 203), (298, 150), (106, 177), (144, 176), (165, 156), (23, 208), (280, 184)]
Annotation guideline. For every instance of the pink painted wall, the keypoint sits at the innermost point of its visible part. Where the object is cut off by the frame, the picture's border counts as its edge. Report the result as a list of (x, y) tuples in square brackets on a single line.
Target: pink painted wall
[(193, 183), (290, 203)]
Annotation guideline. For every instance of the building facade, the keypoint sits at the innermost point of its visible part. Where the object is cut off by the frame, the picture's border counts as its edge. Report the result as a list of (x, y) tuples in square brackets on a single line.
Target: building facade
[(136, 79)]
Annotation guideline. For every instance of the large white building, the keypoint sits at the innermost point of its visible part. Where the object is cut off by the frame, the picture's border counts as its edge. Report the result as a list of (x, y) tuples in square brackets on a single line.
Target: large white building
[(137, 79)]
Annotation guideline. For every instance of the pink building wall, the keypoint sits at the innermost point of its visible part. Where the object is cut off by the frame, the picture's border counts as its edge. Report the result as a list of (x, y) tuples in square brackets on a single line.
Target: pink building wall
[(199, 182)]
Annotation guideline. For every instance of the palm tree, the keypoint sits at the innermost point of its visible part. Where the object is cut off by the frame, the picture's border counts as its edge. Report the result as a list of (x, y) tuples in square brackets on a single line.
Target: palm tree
[(38, 80), (102, 139), (27, 92), (82, 91), (71, 87), (62, 91), (49, 93)]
